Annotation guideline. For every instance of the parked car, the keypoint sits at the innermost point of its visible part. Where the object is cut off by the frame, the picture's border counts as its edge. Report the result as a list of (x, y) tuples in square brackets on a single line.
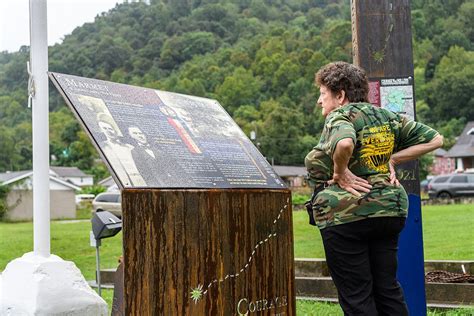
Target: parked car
[(424, 185), (108, 201), (451, 185)]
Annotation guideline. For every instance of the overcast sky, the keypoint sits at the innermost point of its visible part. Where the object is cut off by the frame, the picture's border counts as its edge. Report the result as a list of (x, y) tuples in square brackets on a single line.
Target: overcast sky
[(63, 17)]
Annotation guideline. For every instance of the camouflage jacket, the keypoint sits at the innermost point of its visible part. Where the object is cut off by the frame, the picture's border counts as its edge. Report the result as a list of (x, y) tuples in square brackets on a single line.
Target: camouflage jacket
[(376, 133)]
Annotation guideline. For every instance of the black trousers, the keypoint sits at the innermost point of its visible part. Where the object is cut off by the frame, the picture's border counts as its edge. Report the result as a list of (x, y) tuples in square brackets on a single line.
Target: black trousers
[(362, 261)]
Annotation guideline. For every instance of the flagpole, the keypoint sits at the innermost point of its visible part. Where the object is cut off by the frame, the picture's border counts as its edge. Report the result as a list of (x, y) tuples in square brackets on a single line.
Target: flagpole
[(40, 283), (40, 97)]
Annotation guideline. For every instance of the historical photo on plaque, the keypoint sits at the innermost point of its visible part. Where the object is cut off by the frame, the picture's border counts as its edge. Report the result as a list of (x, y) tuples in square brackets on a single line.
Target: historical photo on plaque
[(157, 139)]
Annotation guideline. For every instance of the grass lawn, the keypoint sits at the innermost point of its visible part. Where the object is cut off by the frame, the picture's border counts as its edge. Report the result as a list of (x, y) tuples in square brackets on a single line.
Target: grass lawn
[(448, 234), (69, 240), (312, 308)]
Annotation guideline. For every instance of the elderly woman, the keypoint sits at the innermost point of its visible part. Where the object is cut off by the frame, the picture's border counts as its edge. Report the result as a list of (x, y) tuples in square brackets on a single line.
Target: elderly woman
[(361, 208)]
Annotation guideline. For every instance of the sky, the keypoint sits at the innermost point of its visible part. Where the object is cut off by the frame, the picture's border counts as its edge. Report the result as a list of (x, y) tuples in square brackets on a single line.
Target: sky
[(63, 17)]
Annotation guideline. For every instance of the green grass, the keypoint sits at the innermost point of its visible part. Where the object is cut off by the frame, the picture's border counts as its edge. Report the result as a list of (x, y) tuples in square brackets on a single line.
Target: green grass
[(307, 238), (447, 229), (84, 211), (69, 240), (448, 233), (312, 308), (108, 296)]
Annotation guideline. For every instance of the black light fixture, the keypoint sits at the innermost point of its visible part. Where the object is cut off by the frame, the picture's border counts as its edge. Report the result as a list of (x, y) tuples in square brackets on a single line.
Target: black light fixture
[(104, 225)]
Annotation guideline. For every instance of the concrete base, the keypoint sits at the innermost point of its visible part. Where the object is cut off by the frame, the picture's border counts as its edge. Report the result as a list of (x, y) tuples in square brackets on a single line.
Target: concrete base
[(39, 286)]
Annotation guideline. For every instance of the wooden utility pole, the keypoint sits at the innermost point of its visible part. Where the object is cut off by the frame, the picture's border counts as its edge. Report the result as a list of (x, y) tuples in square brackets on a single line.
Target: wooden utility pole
[(382, 45)]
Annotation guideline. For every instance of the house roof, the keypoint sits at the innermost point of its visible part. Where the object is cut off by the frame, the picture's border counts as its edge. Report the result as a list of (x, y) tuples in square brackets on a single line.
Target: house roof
[(107, 181), (464, 146), (69, 172), (65, 183), (289, 171), (12, 177), (440, 152)]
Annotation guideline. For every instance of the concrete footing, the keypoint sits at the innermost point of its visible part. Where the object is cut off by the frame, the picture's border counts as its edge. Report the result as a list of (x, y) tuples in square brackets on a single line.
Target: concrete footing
[(40, 286), (313, 280)]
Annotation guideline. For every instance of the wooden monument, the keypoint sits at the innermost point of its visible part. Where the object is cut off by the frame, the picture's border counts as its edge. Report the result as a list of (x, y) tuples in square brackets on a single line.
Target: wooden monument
[(382, 45), (207, 224)]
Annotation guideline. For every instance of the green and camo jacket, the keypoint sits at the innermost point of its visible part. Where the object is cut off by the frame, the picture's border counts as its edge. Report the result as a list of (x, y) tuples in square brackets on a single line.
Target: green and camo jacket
[(376, 133)]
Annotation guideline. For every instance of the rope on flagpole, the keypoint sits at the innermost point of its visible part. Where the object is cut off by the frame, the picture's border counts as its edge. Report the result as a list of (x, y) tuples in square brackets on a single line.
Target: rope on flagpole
[(31, 85)]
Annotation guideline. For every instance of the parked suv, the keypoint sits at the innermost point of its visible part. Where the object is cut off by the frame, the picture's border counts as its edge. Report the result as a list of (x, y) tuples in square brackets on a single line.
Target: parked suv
[(451, 185), (108, 201)]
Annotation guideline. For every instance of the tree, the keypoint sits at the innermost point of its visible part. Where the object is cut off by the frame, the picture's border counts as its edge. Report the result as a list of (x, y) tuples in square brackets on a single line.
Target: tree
[(239, 89), (281, 133), (178, 49), (450, 92), (288, 72), (256, 57)]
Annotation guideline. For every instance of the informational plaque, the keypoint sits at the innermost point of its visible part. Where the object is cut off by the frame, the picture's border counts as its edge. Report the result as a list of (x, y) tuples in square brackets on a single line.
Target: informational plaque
[(394, 94), (156, 139)]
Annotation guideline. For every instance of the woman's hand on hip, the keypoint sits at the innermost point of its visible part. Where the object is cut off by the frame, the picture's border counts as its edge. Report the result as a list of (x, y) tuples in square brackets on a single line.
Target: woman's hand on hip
[(393, 173), (350, 182)]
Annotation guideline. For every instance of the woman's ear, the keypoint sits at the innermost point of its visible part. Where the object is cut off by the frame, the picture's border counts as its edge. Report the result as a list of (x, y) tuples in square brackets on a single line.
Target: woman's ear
[(341, 96)]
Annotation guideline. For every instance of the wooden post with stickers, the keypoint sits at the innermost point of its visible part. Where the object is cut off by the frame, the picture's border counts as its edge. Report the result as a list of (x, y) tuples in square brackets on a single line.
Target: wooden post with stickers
[(382, 45), (207, 224)]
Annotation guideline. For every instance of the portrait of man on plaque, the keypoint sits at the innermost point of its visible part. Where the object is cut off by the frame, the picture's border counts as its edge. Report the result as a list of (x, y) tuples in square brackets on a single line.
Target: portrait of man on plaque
[(118, 153)]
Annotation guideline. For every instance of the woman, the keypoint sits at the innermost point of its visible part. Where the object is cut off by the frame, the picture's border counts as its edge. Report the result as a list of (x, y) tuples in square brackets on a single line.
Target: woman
[(361, 208)]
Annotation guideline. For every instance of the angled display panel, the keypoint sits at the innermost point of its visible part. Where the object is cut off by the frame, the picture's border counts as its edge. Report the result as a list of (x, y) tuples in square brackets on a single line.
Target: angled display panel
[(156, 139)]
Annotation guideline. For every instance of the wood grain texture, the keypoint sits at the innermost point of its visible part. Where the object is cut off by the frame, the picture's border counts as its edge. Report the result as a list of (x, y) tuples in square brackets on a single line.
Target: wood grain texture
[(382, 42), (236, 244), (382, 46)]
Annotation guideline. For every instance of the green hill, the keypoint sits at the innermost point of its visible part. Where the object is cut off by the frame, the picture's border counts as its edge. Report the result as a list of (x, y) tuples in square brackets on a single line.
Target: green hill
[(257, 57)]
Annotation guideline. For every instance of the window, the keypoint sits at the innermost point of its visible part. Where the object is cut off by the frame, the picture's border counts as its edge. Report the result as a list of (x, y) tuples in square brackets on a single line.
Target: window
[(111, 198), (440, 180), (470, 178), (459, 179)]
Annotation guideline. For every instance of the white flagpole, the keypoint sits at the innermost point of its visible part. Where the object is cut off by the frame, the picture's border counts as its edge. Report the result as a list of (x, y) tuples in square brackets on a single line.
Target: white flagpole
[(40, 283), (39, 68)]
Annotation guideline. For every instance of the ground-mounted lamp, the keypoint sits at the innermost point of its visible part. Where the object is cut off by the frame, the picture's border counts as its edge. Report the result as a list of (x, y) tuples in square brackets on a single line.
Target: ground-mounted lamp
[(104, 225)]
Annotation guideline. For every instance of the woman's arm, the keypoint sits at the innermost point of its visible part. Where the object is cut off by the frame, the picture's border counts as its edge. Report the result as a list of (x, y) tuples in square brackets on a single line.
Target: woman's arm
[(416, 151), (411, 153), (342, 175)]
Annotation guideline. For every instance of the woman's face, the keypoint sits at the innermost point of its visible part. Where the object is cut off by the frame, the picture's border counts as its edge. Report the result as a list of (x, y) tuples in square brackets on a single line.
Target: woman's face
[(327, 100)]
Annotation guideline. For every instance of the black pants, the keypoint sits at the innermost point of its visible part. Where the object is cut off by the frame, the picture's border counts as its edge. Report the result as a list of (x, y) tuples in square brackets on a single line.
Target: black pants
[(362, 261)]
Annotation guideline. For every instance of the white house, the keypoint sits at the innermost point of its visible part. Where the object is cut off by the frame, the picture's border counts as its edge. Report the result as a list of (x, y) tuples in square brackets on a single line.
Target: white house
[(294, 176), (109, 184), (20, 198), (72, 175)]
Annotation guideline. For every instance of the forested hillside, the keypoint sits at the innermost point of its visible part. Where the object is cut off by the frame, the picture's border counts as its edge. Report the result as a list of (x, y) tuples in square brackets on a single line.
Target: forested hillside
[(256, 57)]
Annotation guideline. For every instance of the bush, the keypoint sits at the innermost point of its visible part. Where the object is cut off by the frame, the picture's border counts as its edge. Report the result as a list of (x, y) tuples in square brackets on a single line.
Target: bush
[(299, 199), (93, 189), (4, 190)]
